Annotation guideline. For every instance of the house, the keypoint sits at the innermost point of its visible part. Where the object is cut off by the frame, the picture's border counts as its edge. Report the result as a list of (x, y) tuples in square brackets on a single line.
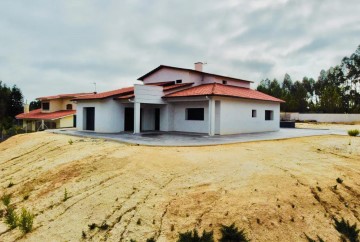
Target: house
[(56, 112), (182, 100)]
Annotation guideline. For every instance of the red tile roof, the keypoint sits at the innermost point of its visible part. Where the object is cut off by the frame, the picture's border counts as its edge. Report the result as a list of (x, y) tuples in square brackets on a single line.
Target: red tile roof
[(167, 88), (216, 89), (38, 115), (190, 70), (102, 95), (72, 95), (128, 96)]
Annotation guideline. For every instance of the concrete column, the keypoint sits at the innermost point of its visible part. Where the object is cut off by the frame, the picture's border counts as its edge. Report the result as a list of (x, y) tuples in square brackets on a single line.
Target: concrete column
[(211, 117), (136, 117)]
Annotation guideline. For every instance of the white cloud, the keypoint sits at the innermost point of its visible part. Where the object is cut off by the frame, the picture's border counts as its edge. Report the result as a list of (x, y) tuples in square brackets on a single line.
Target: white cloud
[(50, 47)]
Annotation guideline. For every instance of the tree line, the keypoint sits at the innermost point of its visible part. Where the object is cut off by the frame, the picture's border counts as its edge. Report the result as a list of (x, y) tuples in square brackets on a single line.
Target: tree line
[(336, 90), (11, 104)]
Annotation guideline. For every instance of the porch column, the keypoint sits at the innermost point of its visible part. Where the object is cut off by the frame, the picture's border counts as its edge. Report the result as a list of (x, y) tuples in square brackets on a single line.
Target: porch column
[(136, 117), (211, 117)]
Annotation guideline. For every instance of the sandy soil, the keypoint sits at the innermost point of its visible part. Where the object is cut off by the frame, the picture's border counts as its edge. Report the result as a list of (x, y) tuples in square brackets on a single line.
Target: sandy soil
[(275, 190), (337, 126)]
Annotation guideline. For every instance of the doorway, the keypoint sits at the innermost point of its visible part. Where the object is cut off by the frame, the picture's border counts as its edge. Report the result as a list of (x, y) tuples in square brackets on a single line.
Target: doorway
[(129, 119), (90, 118), (157, 119)]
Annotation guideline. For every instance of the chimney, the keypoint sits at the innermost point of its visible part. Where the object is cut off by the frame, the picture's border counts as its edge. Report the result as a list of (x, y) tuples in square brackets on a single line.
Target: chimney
[(26, 108), (198, 66)]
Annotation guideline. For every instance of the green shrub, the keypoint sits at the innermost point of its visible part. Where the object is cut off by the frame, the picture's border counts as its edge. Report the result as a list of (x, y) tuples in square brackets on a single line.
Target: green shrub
[(103, 226), (70, 141), (232, 233), (11, 218), (346, 230), (10, 184), (66, 196), (339, 180), (193, 236), (26, 221), (6, 199), (92, 226), (353, 132), (152, 239)]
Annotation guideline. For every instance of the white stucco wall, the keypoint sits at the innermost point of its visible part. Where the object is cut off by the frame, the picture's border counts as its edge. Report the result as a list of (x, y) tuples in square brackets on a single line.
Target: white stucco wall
[(108, 115), (148, 94), (236, 116), (167, 75), (178, 118)]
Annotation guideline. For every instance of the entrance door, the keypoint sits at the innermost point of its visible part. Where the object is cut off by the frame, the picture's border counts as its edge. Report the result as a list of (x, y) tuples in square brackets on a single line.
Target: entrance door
[(90, 119), (157, 119), (129, 119), (74, 121)]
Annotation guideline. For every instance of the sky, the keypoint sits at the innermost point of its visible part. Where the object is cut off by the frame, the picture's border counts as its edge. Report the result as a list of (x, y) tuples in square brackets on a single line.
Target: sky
[(62, 46)]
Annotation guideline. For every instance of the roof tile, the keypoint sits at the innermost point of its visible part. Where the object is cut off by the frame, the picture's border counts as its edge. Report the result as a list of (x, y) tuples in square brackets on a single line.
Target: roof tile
[(37, 114), (102, 95), (216, 89)]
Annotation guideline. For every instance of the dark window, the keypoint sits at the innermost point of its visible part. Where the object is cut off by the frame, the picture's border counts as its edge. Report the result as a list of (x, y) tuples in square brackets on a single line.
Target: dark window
[(45, 106), (194, 114), (269, 115), (224, 82), (178, 81), (253, 113), (68, 106)]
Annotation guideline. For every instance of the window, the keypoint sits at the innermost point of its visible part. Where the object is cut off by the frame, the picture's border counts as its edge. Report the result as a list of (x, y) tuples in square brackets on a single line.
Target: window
[(45, 106), (269, 115), (68, 106), (253, 114), (224, 82), (178, 81), (194, 114)]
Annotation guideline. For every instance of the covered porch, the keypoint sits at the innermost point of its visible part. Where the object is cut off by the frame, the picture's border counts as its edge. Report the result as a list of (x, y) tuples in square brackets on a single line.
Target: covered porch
[(147, 111)]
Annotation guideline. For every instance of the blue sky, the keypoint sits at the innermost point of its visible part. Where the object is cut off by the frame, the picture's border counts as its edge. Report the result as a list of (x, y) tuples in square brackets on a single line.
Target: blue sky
[(52, 47)]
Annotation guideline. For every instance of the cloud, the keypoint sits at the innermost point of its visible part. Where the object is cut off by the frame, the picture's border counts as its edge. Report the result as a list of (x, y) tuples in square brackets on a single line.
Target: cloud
[(50, 47)]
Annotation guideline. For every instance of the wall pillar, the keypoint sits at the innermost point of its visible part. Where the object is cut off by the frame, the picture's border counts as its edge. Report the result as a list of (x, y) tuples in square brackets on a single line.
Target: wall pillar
[(136, 117), (211, 117)]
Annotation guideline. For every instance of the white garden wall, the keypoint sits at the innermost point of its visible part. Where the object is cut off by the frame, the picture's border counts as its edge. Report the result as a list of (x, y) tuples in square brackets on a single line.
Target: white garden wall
[(322, 117)]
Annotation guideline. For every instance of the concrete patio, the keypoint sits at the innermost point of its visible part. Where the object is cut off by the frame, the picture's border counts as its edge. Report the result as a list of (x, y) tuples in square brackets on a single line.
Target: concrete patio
[(188, 139)]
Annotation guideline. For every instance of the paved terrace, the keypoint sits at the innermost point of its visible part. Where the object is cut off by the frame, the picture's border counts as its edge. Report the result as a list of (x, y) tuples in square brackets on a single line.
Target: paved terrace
[(186, 139)]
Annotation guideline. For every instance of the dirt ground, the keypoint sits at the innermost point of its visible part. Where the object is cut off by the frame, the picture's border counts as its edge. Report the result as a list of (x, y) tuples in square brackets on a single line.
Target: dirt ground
[(275, 190)]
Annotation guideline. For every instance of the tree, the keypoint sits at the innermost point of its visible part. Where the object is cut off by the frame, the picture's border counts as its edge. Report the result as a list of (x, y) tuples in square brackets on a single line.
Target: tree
[(35, 105), (11, 100), (337, 90)]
